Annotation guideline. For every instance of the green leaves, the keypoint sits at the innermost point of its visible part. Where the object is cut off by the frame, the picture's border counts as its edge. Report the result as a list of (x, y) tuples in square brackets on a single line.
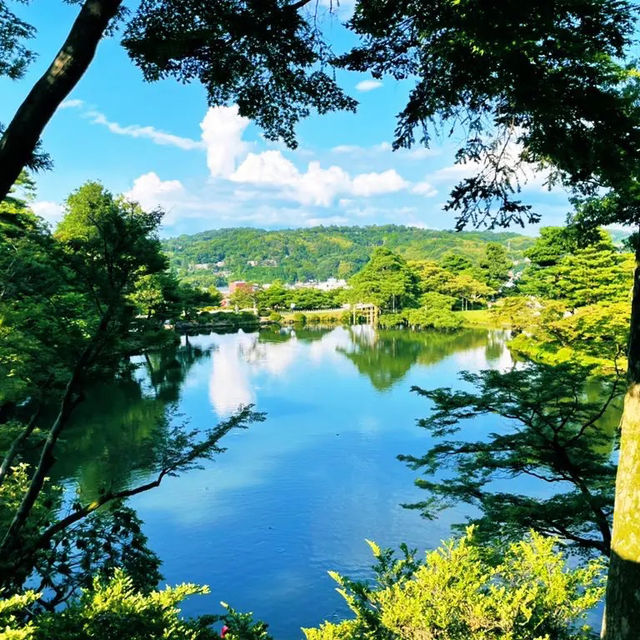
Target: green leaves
[(464, 591), (385, 281), (265, 56), (546, 424), (536, 86)]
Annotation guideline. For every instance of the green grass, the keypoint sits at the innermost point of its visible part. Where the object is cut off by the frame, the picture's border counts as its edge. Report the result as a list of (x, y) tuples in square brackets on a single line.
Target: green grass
[(481, 318)]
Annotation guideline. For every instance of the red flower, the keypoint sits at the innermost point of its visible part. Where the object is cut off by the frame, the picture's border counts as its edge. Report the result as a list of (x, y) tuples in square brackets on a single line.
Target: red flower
[(224, 631)]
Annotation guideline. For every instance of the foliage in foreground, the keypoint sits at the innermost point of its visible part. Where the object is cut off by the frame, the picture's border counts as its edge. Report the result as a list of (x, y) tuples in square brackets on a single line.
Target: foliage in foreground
[(461, 591), (109, 610), (549, 427)]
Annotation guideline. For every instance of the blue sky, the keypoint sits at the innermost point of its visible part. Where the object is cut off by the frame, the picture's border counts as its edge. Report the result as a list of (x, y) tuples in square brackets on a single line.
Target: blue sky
[(208, 168)]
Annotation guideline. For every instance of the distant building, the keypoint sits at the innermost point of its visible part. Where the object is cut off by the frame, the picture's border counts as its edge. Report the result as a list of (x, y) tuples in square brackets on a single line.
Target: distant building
[(331, 284), (201, 266), (240, 285)]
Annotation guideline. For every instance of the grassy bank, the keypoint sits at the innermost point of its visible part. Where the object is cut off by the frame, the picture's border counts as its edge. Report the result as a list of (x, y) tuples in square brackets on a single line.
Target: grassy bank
[(481, 319)]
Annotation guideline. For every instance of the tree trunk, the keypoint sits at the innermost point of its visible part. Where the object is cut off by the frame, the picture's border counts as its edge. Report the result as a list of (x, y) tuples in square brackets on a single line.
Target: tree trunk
[(622, 615), (23, 133)]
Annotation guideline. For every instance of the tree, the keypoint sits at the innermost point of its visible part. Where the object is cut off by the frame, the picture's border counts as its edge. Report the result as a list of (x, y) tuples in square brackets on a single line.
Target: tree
[(267, 57), (245, 296), (385, 281), (551, 245), (584, 276), (495, 266), (274, 297), (99, 254), (556, 436), (544, 84), (455, 262)]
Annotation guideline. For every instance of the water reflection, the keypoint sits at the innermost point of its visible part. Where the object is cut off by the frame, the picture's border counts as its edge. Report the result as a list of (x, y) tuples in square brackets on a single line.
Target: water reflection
[(296, 495)]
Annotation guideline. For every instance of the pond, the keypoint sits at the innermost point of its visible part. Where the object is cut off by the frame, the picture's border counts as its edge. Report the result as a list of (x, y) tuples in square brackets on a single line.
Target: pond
[(296, 495)]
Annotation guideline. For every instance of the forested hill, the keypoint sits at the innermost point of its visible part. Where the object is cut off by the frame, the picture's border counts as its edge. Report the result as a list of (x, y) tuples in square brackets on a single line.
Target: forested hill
[(317, 253)]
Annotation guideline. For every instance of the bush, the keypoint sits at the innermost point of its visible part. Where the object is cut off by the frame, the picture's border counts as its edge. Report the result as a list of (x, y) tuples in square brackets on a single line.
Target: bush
[(459, 593), (433, 318), (299, 318), (275, 317), (110, 610), (391, 320)]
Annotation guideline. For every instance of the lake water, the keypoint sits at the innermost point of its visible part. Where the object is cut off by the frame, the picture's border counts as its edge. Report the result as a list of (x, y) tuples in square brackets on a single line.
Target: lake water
[(296, 495)]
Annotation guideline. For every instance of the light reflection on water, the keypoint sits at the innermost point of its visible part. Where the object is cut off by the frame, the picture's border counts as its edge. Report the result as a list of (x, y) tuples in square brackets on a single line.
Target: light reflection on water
[(296, 495)]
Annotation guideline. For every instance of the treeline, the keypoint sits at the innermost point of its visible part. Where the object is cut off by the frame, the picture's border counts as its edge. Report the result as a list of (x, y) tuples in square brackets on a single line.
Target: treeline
[(572, 301), (319, 253), (424, 293), (416, 293)]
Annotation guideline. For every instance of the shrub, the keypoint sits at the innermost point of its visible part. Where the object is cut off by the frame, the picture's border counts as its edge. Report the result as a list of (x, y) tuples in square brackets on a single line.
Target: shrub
[(391, 320), (460, 593)]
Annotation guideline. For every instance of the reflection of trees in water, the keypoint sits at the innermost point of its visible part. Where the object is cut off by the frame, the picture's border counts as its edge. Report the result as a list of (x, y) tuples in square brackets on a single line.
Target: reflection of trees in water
[(283, 334), (496, 343), (385, 357), (120, 428)]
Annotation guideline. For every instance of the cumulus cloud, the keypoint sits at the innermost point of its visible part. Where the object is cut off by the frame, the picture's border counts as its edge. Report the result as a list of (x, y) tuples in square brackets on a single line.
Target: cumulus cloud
[(151, 192), (50, 211), (370, 184), (151, 133), (425, 189), (368, 85), (222, 129), (315, 186)]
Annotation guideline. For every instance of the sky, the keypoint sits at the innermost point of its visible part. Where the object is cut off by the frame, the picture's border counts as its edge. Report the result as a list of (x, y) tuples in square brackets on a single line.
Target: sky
[(208, 168)]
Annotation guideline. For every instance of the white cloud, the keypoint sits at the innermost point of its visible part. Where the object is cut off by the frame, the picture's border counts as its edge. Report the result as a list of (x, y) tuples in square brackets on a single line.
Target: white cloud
[(416, 153), (50, 211), (346, 148), (268, 167), (368, 85), (316, 186), (424, 189), (222, 129), (72, 104), (151, 192), (151, 133), (370, 184)]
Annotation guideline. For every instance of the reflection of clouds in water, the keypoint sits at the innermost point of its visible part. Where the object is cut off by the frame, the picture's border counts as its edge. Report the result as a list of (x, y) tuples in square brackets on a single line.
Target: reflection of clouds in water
[(275, 358), (365, 334), (327, 347), (472, 359), (240, 357), (494, 354), (229, 384)]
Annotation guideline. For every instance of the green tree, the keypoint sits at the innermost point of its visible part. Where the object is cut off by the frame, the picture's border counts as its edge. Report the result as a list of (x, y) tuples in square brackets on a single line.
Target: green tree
[(597, 273), (385, 281), (556, 436), (495, 265), (455, 262), (245, 297), (101, 250), (275, 297), (551, 245), (266, 60), (463, 591), (545, 83)]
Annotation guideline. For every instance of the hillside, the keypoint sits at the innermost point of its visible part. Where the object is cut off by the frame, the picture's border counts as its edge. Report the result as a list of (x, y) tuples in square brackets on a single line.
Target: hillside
[(318, 253)]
